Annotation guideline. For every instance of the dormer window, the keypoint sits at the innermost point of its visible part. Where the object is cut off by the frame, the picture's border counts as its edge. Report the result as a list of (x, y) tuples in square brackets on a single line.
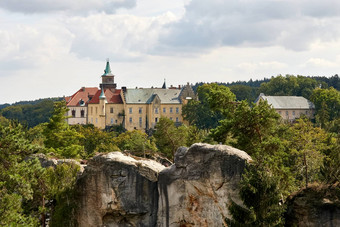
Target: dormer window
[(81, 102)]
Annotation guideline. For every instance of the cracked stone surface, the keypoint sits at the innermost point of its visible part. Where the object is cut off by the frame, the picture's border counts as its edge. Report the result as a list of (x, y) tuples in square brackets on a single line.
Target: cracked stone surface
[(197, 188), (117, 190)]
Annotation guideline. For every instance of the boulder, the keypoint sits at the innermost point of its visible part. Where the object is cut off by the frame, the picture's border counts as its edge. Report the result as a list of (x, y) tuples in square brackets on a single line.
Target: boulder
[(197, 188), (316, 205), (117, 190)]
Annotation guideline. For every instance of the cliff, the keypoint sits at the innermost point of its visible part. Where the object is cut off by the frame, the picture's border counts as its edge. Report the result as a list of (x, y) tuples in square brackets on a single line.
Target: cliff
[(117, 190)]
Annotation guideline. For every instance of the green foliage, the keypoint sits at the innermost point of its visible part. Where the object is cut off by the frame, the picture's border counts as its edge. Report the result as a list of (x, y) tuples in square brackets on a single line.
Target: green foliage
[(30, 114), (60, 138), (249, 126), (327, 105), (290, 85), (11, 212), (219, 98), (135, 141), (169, 137), (243, 92), (16, 176), (4, 121), (261, 197), (330, 170), (307, 146), (199, 113), (61, 182), (95, 140)]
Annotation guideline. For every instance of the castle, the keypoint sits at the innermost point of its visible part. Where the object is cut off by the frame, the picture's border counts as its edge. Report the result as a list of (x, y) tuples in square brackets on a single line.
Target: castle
[(138, 108)]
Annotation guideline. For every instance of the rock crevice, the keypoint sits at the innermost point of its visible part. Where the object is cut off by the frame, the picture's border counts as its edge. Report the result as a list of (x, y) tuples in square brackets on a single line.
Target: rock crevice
[(117, 190)]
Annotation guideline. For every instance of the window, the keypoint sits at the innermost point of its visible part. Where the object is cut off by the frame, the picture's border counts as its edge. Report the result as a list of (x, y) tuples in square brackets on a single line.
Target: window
[(96, 110), (111, 110), (176, 119), (170, 109), (306, 112), (164, 110), (280, 112), (96, 120), (82, 113), (130, 120), (177, 110), (156, 119), (130, 110), (293, 112), (92, 120), (140, 110), (156, 110), (140, 121), (286, 113), (116, 121), (111, 121), (170, 118), (91, 110), (73, 113)]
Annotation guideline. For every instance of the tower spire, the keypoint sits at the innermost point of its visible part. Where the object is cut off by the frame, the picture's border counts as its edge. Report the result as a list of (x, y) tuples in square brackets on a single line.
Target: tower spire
[(102, 94), (164, 85), (107, 70)]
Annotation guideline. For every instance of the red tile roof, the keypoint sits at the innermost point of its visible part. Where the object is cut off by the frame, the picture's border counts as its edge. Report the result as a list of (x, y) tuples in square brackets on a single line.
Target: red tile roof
[(81, 94), (111, 97)]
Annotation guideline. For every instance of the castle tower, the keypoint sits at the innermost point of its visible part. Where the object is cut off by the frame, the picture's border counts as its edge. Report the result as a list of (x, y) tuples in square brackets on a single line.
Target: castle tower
[(108, 78), (102, 115)]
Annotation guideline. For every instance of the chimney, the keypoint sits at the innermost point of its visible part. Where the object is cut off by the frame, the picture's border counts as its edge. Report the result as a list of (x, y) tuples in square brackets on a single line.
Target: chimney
[(124, 89), (83, 88)]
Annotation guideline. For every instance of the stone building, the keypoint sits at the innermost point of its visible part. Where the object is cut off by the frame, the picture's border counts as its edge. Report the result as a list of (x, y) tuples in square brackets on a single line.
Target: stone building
[(289, 107), (137, 108)]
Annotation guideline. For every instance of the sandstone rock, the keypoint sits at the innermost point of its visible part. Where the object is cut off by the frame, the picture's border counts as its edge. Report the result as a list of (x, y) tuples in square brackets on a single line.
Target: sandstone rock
[(195, 190), (317, 205), (117, 190), (46, 162)]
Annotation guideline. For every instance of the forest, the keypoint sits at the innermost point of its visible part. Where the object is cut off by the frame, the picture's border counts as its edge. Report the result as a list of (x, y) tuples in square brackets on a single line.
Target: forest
[(286, 156)]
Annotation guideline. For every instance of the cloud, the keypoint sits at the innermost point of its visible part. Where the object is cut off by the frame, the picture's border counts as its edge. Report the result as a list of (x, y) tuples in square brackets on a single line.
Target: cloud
[(120, 37), (29, 46), (292, 24), (74, 6)]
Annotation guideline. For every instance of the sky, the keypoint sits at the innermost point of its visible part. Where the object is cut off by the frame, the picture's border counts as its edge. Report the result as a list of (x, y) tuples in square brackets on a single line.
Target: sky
[(52, 48)]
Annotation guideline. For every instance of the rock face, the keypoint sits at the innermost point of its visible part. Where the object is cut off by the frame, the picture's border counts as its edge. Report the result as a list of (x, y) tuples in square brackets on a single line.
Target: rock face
[(117, 190), (314, 206), (195, 190)]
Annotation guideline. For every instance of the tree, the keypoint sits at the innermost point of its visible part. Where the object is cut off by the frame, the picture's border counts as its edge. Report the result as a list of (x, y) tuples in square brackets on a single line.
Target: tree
[(290, 85), (307, 146), (169, 137), (16, 176), (135, 141), (327, 105), (95, 140), (330, 170), (60, 137), (249, 126), (30, 113), (199, 113), (243, 92), (261, 197)]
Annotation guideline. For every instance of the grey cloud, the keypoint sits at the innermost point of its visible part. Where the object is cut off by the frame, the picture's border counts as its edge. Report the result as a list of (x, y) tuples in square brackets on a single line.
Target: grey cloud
[(73, 6), (292, 24)]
